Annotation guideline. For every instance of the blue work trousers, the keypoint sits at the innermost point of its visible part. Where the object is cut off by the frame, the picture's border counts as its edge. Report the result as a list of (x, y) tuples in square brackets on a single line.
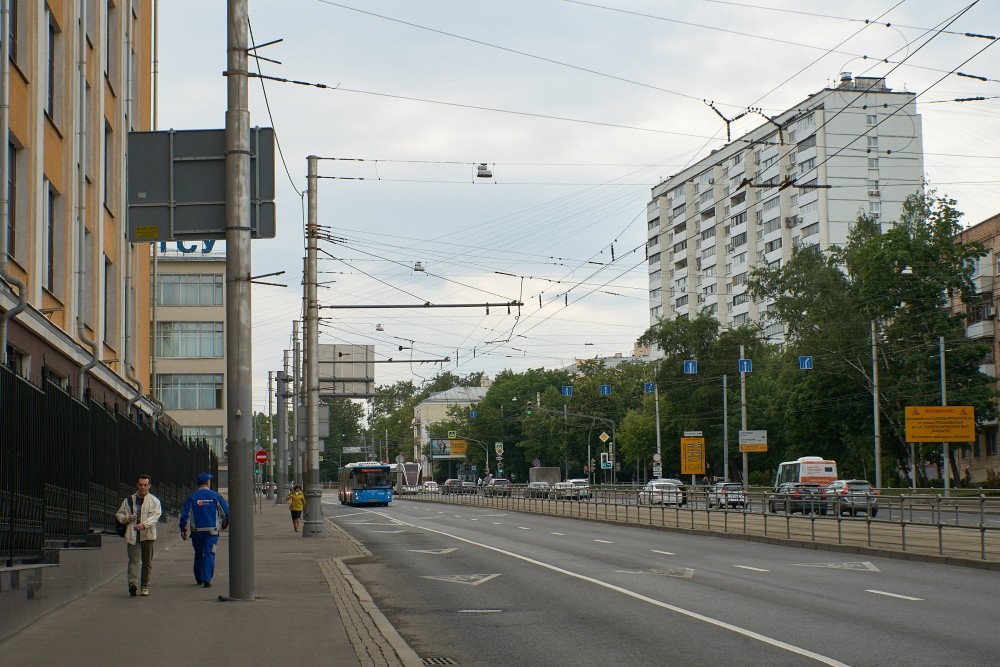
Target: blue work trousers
[(204, 556)]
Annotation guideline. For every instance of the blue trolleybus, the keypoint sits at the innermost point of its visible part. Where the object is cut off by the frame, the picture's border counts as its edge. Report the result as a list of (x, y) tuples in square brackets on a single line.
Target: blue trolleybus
[(365, 483)]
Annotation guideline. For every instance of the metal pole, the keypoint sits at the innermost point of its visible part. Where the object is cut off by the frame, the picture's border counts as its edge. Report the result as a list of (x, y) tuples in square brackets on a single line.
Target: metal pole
[(282, 458), (656, 400), (313, 524), (270, 435), (875, 411), (725, 430), (743, 419), (239, 378), (296, 400), (945, 468)]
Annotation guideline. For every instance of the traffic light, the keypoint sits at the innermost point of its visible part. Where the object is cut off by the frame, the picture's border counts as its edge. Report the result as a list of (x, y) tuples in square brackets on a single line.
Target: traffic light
[(529, 410), (500, 472), (256, 470)]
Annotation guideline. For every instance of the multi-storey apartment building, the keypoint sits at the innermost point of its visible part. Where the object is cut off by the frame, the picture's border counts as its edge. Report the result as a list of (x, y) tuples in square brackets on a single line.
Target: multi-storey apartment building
[(981, 324), (189, 344), (74, 294), (800, 178)]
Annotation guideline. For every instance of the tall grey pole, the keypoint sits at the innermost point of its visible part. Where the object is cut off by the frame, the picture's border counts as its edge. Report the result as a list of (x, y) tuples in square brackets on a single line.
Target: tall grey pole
[(313, 525), (656, 400), (239, 380), (296, 401), (743, 419), (946, 467), (270, 435), (875, 411), (725, 429), (282, 458)]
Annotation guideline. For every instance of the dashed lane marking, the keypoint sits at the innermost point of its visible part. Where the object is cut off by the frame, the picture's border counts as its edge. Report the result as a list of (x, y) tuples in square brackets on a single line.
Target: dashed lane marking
[(665, 553), (755, 569), (893, 595), (604, 541)]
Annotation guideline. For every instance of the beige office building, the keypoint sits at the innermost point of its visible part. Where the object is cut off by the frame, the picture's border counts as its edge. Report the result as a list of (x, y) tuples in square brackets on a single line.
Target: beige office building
[(74, 293)]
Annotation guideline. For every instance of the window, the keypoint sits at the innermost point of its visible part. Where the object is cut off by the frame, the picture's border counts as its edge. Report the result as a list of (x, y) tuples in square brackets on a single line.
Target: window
[(190, 391), (11, 230), (738, 198), (654, 294), (189, 339), (871, 119), (740, 279), (739, 299), (809, 230), (50, 66), (772, 245), (873, 163), (991, 442), (680, 246), (708, 252), (771, 204), (111, 40), (708, 289), (740, 258), (708, 233), (211, 434), (741, 319), (811, 207), (808, 142), (807, 166), (682, 301), (739, 239), (14, 29), (50, 238), (655, 241), (874, 209), (772, 225), (873, 143), (654, 258), (108, 163), (109, 300), (655, 276), (680, 284), (655, 312), (709, 272), (653, 224), (873, 187), (738, 219)]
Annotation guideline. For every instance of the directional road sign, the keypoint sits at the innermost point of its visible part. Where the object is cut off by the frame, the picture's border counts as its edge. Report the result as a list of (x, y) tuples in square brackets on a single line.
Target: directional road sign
[(649, 387), (567, 390), (473, 414), (805, 363), (605, 390), (690, 367), (745, 366)]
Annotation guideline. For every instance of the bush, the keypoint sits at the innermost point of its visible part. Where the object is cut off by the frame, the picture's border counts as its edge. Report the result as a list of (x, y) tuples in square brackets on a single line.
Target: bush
[(992, 479)]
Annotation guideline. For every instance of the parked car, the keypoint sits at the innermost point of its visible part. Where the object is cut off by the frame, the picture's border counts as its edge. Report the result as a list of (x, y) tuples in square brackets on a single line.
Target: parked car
[(469, 488), (727, 494), (663, 492), (451, 486), (431, 487), (791, 497), (850, 496), (498, 487), (582, 485), (537, 490), (410, 489), (564, 491)]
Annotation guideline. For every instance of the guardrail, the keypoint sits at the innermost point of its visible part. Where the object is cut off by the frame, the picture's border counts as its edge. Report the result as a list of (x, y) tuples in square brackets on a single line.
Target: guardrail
[(965, 528)]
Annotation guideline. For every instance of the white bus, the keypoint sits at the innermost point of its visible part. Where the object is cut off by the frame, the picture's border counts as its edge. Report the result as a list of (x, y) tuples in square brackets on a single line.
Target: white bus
[(806, 469)]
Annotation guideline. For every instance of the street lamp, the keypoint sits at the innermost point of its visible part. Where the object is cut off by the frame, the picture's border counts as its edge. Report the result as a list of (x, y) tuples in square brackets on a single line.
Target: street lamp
[(485, 449)]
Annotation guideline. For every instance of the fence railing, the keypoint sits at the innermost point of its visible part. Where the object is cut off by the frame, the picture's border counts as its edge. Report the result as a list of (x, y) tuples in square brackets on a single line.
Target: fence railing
[(66, 465), (966, 527)]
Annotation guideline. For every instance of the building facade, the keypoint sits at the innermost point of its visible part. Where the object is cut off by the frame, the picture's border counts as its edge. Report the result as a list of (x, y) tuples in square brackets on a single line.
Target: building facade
[(799, 179), (74, 293), (189, 345), (977, 461)]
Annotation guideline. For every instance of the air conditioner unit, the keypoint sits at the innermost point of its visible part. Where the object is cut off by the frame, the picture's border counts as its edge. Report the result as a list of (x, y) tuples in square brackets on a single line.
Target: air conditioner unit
[(989, 313), (792, 221), (711, 181)]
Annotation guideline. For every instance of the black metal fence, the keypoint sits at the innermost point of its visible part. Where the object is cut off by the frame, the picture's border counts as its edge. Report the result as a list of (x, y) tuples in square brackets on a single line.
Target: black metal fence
[(66, 465)]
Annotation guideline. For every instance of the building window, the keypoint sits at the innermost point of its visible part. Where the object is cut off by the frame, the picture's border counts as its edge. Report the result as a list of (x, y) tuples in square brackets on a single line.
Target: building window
[(873, 143), (741, 319), (655, 312), (738, 219), (740, 258), (809, 230), (189, 339), (739, 299), (873, 163), (738, 240), (50, 239), (772, 245), (50, 66), (708, 252), (210, 434), (190, 391), (108, 164), (111, 40), (871, 119), (991, 442), (682, 301), (874, 209)]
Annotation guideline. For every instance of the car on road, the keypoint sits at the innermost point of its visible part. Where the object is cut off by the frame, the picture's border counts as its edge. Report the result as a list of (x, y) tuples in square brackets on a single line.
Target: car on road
[(850, 496), (537, 490), (453, 486), (726, 494), (663, 492), (565, 491), (469, 488), (410, 489), (792, 497), (431, 487), (582, 485), (498, 487)]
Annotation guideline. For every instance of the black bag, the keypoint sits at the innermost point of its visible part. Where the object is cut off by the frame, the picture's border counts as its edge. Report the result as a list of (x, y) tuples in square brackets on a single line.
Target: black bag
[(120, 528)]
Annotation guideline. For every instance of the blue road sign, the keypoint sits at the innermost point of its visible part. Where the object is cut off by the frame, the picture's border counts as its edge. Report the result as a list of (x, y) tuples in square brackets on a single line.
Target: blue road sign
[(746, 366), (649, 387), (690, 367), (605, 390), (473, 414), (805, 363), (567, 390)]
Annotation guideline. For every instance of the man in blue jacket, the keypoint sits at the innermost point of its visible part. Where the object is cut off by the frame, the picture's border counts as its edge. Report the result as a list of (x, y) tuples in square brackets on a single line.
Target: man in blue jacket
[(209, 513)]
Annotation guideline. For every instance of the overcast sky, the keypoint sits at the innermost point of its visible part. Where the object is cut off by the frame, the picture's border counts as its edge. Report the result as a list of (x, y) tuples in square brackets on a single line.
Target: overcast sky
[(578, 109)]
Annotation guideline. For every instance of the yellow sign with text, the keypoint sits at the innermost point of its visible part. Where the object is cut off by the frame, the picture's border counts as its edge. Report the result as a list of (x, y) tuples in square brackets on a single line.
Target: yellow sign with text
[(940, 423), (692, 456)]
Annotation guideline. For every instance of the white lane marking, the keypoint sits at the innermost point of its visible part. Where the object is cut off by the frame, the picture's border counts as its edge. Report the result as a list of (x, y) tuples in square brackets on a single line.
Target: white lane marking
[(391, 532), (853, 565), (523, 528), (665, 553), (478, 611), (893, 595), (497, 523), (561, 534), (777, 643), (755, 569), (470, 579), (473, 519), (436, 552), (604, 541)]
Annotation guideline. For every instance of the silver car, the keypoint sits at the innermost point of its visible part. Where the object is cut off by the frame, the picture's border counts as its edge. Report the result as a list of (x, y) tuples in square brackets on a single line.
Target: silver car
[(850, 496), (660, 492), (727, 494)]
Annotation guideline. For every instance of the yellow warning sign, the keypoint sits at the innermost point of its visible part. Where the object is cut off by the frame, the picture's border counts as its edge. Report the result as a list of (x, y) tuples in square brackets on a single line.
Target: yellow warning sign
[(940, 423), (148, 233)]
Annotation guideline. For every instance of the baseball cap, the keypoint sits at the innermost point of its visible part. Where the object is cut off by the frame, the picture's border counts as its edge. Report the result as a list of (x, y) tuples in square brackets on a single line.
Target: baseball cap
[(203, 477)]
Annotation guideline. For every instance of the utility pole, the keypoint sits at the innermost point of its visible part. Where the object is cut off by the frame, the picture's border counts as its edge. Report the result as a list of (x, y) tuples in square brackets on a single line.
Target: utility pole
[(725, 430), (946, 467), (743, 419), (239, 380), (296, 401), (270, 435), (282, 458), (313, 524), (875, 411)]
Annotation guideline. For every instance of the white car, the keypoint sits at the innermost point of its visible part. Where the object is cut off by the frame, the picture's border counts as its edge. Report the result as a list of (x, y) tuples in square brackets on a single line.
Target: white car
[(564, 491), (659, 492), (727, 494), (582, 486), (431, 487)]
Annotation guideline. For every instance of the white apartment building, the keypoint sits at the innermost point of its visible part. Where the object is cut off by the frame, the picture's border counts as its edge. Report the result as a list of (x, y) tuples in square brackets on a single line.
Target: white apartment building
[(189, 363), (800, 178)]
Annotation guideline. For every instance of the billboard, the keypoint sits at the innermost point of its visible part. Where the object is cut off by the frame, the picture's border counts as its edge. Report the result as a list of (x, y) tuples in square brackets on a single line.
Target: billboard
[(449, 449)]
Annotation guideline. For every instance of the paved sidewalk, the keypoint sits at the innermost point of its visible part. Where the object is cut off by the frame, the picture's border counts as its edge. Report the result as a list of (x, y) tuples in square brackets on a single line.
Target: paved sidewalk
[(309, 611)]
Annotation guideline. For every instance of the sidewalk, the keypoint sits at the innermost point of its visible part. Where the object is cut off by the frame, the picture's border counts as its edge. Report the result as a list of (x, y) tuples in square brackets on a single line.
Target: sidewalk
[(308, 610)]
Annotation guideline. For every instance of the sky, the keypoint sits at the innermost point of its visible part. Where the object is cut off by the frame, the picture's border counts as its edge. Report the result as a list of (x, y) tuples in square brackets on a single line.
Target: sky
[(578, 109)]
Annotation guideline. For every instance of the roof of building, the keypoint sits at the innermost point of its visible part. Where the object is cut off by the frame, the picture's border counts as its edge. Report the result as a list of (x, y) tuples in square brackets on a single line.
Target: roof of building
[(458, 395)]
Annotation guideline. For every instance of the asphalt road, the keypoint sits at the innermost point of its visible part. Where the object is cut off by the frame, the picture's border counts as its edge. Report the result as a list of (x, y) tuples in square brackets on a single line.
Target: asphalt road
[(469, 585)]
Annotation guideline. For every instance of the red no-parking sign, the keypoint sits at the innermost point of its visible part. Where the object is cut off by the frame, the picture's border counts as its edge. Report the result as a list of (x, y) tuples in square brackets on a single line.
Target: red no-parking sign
[(260, 456)]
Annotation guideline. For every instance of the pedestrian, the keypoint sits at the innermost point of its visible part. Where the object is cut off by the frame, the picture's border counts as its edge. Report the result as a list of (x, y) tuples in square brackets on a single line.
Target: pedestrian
[(296, 503), (209, 513), (141, 512)]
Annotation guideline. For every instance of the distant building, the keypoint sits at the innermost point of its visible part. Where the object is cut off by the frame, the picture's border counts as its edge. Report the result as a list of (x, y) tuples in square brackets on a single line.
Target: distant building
[(638, 355), (981, 325), (79, 79), (189, 365), (800, 178), (435, 408)]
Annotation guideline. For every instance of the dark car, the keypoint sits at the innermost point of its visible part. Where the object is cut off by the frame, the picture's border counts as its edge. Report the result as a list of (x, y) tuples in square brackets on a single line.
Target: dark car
[(498, 487), (792, 497), (850, 496), (451, 486)]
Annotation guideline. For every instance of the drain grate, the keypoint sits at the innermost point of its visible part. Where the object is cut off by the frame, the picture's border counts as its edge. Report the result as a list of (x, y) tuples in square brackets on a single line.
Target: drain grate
[(439, 661)]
